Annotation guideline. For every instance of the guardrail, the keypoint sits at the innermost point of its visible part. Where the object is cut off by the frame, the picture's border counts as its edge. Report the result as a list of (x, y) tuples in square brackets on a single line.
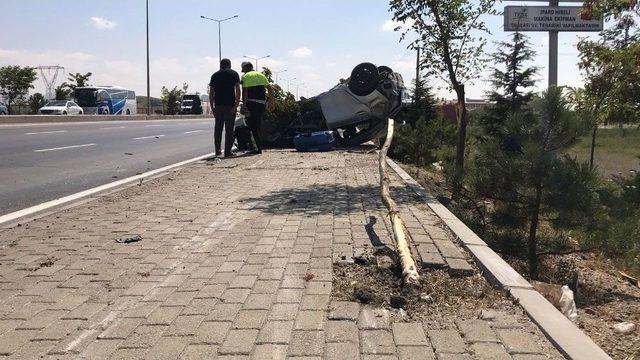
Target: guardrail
[(24, 119)]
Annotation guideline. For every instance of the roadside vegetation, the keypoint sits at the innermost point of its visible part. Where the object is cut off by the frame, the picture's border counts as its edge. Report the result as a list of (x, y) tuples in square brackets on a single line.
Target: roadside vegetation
[(550, 179)]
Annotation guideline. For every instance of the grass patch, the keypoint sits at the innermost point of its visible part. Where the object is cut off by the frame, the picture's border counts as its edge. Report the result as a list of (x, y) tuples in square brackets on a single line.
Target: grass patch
[(617, 150)]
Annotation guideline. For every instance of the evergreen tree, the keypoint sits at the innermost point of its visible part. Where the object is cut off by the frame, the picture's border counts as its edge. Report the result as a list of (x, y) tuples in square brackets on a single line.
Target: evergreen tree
[(36, 101), (512, 79), (533, 182)]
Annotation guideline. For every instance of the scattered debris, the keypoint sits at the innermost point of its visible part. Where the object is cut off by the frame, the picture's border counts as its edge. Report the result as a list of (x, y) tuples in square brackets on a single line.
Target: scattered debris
[(308, 276), (560, 296), (426, 298), (47, 263), (398, 302), (624, 328), (363, 294), (128, 153), (319, 168), (361, 260), (144, 274), (140, 182), (129, 240), (633, 281)]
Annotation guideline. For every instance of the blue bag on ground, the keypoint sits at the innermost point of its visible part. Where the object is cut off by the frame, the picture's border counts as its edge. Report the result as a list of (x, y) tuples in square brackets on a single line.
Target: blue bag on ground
[(315, 141)]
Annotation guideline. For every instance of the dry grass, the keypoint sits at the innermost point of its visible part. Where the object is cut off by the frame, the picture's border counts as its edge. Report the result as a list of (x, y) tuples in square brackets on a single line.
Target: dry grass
[(617, 151)]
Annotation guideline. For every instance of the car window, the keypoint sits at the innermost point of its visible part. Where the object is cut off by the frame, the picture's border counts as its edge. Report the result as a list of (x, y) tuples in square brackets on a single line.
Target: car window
[(73, 104)]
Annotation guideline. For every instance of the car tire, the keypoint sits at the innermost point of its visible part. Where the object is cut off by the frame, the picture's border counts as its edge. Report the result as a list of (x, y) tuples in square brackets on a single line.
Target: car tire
[(364, 79), (64, 113), (81, 113), (128, 112)]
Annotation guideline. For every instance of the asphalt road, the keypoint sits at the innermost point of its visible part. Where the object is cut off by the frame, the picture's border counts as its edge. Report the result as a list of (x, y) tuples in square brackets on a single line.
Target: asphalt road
[(42, 162)]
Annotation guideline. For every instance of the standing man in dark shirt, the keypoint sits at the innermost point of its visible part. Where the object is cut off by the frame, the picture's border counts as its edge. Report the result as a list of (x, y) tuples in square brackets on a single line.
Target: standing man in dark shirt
[(224, 96), (255, 96)]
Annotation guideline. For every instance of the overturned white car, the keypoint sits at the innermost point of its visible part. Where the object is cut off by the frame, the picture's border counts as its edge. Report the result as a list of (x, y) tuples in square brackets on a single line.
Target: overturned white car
[(356, 109)]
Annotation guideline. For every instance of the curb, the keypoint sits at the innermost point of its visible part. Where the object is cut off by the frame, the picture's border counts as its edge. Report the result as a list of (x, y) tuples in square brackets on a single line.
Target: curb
[(82, 197), (566, 336)]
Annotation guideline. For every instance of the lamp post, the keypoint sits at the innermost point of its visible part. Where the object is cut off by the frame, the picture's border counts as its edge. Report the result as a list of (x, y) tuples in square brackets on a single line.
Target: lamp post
[(278, 72), (297, 89), (289, 82), (219, 36), (148, 77), (256, 59)]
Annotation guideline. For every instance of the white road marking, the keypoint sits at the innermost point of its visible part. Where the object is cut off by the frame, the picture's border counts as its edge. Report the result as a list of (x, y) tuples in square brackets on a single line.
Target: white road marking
[(148, 137), (64, 147), (4, 219), (193, 132), (46, 132), (113, 127)]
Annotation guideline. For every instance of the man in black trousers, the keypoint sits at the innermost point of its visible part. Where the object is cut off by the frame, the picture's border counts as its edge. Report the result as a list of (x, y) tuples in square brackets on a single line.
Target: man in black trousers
[(256, 94), (224, 97)]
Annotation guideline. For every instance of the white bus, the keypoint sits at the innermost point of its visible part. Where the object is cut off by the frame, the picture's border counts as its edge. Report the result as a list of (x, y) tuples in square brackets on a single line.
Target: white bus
[(106, 100)]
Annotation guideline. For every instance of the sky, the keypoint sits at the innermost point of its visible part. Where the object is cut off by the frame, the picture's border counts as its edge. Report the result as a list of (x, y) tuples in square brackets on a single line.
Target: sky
[(317, 42)]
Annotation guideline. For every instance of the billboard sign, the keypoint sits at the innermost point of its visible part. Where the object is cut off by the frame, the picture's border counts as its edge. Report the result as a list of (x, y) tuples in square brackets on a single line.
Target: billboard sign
[(549, 18)]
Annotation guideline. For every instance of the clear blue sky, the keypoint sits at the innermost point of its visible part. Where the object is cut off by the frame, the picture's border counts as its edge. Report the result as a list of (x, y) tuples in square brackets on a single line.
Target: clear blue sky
[(317, 42)]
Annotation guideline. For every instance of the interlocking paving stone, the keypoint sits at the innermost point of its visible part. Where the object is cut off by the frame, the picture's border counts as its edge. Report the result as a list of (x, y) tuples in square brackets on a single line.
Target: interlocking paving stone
[(492, 351), (410, 334), (223, 270), (447, 341), (518, 341)]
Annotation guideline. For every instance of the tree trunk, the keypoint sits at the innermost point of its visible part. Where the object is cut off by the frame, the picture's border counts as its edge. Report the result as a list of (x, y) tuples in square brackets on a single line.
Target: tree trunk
[(533, 242), (409, 270), (462, 118), (593, 144)]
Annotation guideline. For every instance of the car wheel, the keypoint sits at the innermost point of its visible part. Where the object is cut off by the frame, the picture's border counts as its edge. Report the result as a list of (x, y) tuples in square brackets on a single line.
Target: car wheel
[(64, 113), (364, 79), (384, 69), (128, 112), (81, 113)]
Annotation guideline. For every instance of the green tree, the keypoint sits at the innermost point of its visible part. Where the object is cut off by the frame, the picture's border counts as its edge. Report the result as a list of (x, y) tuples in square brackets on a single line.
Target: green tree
[(77, 80), (450, 37), (611, 75), (511, 81), (62, 92), (171, 98), (284, 109), (15, 82), (36, 101), (532, 182)]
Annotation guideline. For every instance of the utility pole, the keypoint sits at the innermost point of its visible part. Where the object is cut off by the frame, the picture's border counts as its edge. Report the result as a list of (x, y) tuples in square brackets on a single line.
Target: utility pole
[(553, 53), (277, 73), (148, 73), (256, 60), (415, 95)]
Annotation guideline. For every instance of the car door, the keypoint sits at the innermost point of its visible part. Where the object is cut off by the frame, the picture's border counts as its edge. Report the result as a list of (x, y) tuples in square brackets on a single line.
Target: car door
[(75, 109)]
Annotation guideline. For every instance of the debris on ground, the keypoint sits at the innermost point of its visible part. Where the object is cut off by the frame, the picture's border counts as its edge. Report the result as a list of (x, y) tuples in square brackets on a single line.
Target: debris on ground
[(633, 281), (129, 240), (442, 294), (624, 328), (363, 294), (397, 301), (559, 296), (128, 153), (308, 276)]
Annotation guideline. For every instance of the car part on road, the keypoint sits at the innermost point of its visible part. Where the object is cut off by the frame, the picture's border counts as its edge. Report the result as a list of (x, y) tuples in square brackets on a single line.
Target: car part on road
[(129, 240), (315, 141)]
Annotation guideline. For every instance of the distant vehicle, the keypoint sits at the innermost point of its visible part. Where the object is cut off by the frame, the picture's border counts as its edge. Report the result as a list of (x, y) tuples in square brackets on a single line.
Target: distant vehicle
[(357, 109), (3, 109), (191, 104), (61, 107), (106, 100)]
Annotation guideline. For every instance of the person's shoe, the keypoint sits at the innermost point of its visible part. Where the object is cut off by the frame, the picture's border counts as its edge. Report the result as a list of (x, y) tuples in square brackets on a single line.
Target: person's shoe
[(229, 155), (218, 153)]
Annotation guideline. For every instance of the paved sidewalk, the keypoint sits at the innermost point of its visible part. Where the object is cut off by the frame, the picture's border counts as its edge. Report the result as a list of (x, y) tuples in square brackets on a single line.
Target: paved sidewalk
[(220, 271)]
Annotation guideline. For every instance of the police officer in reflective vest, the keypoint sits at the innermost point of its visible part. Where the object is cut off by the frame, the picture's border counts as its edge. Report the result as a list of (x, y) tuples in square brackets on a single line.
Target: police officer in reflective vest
[(255, 98)]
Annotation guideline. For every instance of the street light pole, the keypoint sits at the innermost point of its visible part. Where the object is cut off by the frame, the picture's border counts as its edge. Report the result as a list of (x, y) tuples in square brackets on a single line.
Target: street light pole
[(289, 83), (219, 32), (256, 59), (278, 72), (148, 73)]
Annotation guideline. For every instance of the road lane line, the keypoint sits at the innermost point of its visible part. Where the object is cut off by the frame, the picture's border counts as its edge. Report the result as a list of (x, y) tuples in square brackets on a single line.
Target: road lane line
[(46, 132), (148, 137), (36, 209), (64, 147), (193, 132), (113, 127)]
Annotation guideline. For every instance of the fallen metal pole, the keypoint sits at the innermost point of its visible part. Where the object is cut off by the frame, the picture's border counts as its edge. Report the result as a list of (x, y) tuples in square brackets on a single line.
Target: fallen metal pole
[(410, 274)]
